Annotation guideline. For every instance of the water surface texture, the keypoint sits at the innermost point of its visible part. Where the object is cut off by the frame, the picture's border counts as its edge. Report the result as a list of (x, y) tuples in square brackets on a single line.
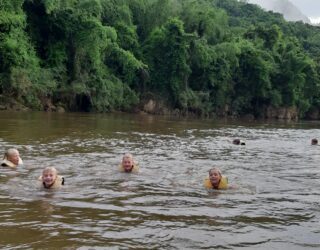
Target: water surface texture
[(275, 206)]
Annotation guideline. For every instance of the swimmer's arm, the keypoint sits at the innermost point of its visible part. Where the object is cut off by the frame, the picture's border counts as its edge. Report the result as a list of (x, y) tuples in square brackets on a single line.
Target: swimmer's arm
[(232, 186)]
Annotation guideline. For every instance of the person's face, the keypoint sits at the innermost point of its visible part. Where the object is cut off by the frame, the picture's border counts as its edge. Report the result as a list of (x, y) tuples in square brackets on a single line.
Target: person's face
[(214, 177), (127, 163), (14, 158), (49, 177)]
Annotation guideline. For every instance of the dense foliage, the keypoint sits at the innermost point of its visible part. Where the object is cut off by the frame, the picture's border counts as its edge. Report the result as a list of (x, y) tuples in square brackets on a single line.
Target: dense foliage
[(221, 57)]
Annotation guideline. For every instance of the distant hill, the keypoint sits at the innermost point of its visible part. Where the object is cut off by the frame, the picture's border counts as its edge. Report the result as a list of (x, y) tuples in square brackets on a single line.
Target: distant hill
[(285, 7)]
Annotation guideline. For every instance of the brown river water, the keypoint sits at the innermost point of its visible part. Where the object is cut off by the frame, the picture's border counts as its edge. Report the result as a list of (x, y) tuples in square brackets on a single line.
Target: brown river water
[(276, 203)]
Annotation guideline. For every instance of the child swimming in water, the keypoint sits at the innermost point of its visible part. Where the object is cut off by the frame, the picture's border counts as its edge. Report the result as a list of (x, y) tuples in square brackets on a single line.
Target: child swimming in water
[(11, 158), (216, 180), (128, 165), (50, 178)]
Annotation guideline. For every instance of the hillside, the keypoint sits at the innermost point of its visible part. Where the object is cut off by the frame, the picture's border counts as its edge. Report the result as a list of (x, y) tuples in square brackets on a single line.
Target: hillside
[(205, 58)]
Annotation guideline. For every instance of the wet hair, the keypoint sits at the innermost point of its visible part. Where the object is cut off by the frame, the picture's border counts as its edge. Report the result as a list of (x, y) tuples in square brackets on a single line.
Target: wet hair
[(50, 169), (314, 141), (216, 169), (236, 141), (9, 152), (127, 155)]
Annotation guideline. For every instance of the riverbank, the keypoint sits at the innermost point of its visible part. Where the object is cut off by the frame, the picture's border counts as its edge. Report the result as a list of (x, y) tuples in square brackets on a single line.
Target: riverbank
[(155, 106)]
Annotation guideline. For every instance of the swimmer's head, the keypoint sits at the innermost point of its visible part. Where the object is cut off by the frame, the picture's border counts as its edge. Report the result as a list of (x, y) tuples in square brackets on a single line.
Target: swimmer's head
[(215, 176), (49, 176), (12, 155), (127, 162), (314, 141), (236, 142)]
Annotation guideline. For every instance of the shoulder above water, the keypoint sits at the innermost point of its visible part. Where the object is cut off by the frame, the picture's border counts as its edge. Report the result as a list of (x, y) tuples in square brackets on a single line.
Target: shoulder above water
[(7, 163), (58, 183), (222, 185), (135, 169)]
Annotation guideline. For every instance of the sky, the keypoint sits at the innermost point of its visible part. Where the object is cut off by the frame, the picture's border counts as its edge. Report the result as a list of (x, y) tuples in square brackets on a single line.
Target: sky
[(311, 8)]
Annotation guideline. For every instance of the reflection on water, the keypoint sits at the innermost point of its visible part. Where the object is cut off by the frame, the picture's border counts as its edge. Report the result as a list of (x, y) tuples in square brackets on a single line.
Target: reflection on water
[(276, 204)]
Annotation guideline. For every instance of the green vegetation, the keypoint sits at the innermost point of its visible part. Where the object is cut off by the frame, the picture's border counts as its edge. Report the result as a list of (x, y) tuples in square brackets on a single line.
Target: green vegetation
[(206, 57)]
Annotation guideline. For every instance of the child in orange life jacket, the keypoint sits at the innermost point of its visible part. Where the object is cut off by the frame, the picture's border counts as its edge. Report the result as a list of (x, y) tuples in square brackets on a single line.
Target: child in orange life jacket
[(128, 165), (216, 180), (50, 178)]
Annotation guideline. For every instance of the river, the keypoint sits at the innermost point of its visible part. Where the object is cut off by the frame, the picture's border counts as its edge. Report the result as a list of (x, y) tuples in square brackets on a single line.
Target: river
[(275, 204)]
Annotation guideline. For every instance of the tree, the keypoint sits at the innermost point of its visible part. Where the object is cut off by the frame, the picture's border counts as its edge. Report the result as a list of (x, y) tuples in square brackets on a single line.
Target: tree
[(21, 76), (166, 52)]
